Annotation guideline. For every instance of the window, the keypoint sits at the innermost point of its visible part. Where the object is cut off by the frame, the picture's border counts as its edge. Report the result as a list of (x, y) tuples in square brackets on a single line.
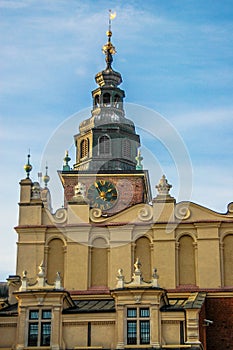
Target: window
[(39, 327), (97, 101), (126, 148), (84, 146), (106, 99), (117, 101), (138, 326), (104, 145)]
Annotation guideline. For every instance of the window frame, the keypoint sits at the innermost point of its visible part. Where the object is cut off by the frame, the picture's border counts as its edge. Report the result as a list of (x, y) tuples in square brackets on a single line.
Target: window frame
[(104, 145), (41, 332), (84, 148), (138, 326)]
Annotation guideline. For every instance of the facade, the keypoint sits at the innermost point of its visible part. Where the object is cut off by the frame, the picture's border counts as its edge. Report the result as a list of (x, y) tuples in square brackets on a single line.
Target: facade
[(115, 268)]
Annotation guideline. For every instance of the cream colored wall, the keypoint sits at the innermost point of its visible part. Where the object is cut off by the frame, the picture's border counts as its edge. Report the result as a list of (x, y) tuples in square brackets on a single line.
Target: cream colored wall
[(103, 334), (30, 250), (165, 256), (164, 237), (170, 332), (8, 328), (208, 252), (74, 334), (120, 258), (76, 268), (75, 330)]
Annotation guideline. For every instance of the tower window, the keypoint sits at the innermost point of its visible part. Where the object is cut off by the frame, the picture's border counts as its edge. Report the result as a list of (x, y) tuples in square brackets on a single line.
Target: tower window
[(84, 146), (117, 101), (138, 326), (126, 148), (97, 101), (39, 327), (106, 99), (104, 144)]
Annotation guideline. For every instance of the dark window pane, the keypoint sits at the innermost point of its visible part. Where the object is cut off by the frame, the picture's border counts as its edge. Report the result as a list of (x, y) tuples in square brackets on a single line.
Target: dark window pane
[(106, 99), (34, 315), (144, 332), (131, 332), (33, 334), (132, 312), (46, 314), (145, 312), (45, 334), (104, 145)]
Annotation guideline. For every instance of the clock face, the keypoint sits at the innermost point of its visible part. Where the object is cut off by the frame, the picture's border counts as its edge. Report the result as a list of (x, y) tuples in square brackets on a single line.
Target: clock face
[(102, 194)]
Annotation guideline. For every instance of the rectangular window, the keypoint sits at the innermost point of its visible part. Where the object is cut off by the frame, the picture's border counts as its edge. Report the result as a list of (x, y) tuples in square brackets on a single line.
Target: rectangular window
[(46, 314), (132, 312), (45, 334), (33, 334), (39, 327), (34, 315), (144, 312), (144, 332), (132, 332), (138, 326)]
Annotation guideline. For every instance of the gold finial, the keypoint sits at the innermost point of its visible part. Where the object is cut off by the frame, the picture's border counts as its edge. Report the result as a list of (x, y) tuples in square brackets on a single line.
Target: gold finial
[(108, 49), (28, 167), (46, 177)]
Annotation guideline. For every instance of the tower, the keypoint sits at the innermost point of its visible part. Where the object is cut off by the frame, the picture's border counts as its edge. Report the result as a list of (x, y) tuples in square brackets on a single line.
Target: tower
[(107, 145)]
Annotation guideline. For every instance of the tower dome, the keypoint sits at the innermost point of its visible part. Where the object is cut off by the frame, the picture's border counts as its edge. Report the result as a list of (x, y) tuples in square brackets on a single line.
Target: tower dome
[(107, 140)]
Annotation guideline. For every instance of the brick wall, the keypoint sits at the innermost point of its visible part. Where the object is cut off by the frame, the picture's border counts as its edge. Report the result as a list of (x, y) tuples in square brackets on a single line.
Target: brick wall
[(219, 335), (202, 330)]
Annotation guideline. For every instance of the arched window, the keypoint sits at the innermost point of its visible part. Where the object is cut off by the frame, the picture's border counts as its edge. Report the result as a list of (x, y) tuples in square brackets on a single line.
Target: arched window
[(55, 262), (117, 101), (187, 273), (104, 145), (228, 260), (99, 263), (106, 99), (143, 252), (126, 148), (84, 146), (97, 101)]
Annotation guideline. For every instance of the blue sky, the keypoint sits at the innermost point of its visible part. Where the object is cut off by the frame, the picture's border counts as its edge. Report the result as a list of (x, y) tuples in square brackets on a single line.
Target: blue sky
[(175, 57)]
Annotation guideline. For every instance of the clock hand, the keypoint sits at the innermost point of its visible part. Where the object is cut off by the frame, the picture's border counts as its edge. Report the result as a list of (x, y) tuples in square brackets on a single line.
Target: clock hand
[(97, 187)]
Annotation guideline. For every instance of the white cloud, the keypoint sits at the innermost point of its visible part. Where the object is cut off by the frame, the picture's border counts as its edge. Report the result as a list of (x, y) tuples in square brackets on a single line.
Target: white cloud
[(14, 4), (204, 117)]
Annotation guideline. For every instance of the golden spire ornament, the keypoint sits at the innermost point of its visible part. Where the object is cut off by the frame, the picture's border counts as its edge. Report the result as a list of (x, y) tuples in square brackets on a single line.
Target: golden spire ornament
[(108, 49)]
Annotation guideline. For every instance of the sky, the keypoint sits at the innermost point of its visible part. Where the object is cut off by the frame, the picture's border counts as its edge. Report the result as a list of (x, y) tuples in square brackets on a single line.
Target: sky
[(176, 60)]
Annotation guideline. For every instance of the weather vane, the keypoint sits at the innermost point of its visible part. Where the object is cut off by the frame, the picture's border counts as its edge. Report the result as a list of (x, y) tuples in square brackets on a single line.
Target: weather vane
[(108, 49), (112, 15)]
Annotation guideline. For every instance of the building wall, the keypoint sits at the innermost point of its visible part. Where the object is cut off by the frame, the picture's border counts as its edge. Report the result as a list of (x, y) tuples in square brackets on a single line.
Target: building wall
[(8, 328), (219, 335), (188, 255)]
